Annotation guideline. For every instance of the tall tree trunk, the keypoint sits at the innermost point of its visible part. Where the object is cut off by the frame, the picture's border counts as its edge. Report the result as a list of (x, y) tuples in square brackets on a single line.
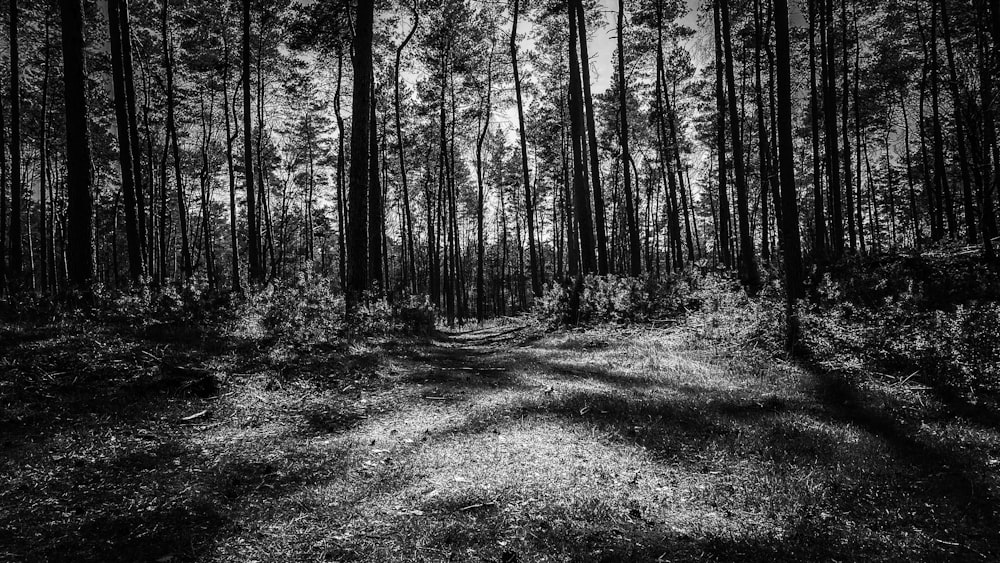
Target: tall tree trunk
[(631, 219), (3, 203), (581, 194), (934, 206), (410, 269), (264, 218), (357, 242), (234, 242), (206, 196), (969, 205), (987, 66), (680, 179), (135, 258), (14, 238), (168, 64), (786, 165), (819, 216), (133, 125), (852, 228), (341, 189), (164, 214), (720, 104), (832, 146), (914, 216), (749, 273), (375, 211), (80, 204), (941, 186), (665, 147), (256, 270), (43, 161), (481, 199), (861, 147), (764, 151), (595, 161), (529, 202)]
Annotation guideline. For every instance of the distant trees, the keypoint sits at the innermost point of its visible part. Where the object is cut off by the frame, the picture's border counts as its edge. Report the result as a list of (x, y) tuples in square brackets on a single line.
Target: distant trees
[(885, 140)]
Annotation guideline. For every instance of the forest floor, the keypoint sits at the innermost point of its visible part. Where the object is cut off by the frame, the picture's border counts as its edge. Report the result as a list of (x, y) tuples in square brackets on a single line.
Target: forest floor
[(503, 443)]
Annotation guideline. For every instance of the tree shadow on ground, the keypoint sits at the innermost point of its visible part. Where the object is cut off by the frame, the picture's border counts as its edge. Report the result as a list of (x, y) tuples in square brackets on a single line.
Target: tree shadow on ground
[(884, 488), (98, 461), (94, 456)]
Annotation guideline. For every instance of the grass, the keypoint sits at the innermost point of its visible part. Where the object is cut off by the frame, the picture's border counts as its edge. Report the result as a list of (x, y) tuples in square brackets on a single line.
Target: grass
[(503, 443)]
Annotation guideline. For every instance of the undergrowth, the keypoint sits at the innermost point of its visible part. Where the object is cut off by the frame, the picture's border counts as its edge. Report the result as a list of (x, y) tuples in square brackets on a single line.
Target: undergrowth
[(931, 318)]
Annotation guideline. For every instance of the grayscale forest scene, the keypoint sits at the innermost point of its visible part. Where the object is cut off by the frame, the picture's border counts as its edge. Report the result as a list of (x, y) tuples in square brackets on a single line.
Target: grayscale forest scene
[(509, 281)]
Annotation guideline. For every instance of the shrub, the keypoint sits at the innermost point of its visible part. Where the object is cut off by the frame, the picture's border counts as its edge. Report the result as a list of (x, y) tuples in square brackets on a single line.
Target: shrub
[(300, 310), (415, 315), (956, 348), (618, 299)]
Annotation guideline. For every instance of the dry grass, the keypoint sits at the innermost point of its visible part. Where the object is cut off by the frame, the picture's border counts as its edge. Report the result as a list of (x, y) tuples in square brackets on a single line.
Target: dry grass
[(497, 444)]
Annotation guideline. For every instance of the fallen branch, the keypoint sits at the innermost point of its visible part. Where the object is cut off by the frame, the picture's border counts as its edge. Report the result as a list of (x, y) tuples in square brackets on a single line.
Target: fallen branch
[(475, 506)]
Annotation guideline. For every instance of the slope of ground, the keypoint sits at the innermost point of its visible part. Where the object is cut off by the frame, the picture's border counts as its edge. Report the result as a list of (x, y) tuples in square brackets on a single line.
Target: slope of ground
[(496, 444)]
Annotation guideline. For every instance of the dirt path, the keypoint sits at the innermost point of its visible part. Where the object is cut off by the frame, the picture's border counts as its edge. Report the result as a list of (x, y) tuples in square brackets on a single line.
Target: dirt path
[(509, 444)]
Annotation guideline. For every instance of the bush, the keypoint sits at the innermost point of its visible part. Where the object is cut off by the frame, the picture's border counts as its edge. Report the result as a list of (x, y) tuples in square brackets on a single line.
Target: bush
[(598, 299), (300, 310), (941, 278), (415, 315), (619, 299), (411, 315), (955, 348)]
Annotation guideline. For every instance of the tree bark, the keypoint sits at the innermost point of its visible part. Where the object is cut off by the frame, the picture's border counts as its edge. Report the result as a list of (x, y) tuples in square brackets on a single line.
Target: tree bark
[(168, 64), (481, 192), (819, 216), (410, 269), (969, 204), (940, 175), (375, 208), (749, 273), (79, 225), (43, 162), (234, 242), (581, 194), (631, 219), (529, 203), (125, 161), (603, 266), (786, 164), (720, 104), (832, 144), (16, 251), (852, 234), (357, 240), (256, 270)]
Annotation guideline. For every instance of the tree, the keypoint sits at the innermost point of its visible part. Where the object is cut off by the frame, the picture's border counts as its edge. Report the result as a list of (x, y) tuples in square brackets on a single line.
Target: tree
[(748, 261), (529, 204), (256, 266), (581, 193), (786, 165), (16, 252), (603, 267), (830, 111), (632, 221), (80, 232), (357, 235), (409, 269), (724, 220), (126, 162)]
